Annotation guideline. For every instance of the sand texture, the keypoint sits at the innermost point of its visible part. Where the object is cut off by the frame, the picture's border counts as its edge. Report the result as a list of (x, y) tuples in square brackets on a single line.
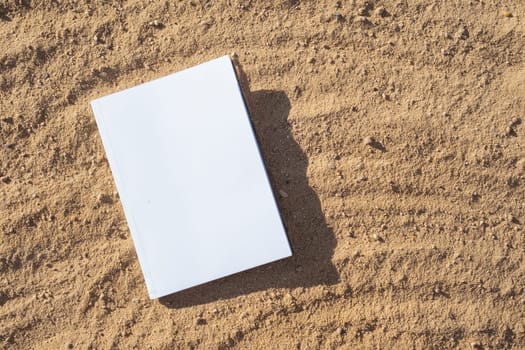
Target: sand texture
[(391, 132)]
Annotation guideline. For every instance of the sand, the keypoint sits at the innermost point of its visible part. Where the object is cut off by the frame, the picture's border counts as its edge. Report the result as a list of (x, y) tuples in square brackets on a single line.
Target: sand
[(391, 132)]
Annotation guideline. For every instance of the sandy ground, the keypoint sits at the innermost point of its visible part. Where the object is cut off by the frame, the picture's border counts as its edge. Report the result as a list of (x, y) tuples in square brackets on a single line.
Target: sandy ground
[(393, 127)]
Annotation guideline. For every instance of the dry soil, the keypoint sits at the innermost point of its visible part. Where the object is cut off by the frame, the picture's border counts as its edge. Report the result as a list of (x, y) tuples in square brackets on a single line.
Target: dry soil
[(392, 134)]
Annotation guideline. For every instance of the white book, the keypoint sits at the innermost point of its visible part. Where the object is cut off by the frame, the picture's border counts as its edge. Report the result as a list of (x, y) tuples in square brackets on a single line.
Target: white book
[(190, 176)]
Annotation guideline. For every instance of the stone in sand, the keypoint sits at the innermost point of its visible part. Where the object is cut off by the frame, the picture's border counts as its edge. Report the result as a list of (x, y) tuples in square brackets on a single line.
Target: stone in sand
[(369, 141), (381, 11)]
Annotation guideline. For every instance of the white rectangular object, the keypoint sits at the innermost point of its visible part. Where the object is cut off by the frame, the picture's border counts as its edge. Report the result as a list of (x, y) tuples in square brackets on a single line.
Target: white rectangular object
[(190, 177)]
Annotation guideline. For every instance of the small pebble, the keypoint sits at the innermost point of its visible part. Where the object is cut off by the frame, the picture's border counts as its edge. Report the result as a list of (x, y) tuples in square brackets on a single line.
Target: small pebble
[(362, 178), (381, 11), (512, 182), (362, 12), (377, 238), (200, 321), (507, 14), (369, 141), (283, 194), (475, 345), (462, 34), (6, 179), (339, 17), (340, 331), (156, 24), (512, 219)]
